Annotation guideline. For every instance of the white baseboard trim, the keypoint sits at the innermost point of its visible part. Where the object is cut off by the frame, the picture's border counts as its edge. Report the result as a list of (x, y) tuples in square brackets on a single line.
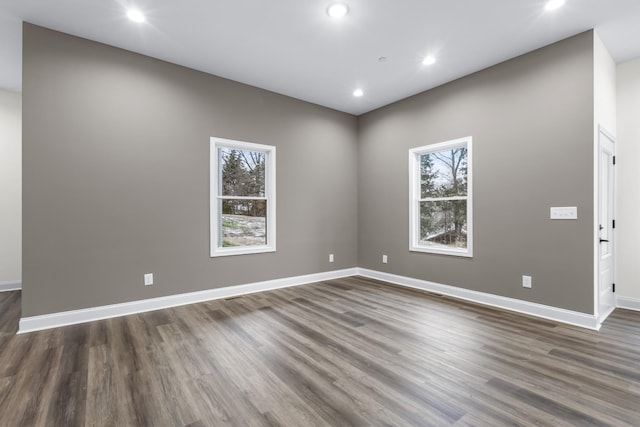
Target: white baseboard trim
[(547, 312), (603, 316), (55, 320), (628, 303), (12, 285)]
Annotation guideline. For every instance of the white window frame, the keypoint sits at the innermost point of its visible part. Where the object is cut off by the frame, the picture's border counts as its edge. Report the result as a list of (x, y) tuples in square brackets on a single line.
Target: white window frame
[(270, 197), (415, 197)]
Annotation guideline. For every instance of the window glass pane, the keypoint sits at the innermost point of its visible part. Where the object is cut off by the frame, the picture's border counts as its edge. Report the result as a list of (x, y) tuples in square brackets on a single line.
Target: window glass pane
[(444, 173), (242, 172), (243, 223), (443, 224)]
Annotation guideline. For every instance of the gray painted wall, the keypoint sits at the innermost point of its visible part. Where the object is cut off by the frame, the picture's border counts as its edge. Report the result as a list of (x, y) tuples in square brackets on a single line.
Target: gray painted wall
[(116, 172), (116, 176), (531, 119)]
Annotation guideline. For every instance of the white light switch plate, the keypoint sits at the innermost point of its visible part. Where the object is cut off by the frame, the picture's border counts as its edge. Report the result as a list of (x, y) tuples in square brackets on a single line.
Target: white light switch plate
[(567, 212)]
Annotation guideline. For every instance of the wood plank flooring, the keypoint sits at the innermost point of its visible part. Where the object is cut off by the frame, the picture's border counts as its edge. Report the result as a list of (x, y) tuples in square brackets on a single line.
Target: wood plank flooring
[(348, 352)]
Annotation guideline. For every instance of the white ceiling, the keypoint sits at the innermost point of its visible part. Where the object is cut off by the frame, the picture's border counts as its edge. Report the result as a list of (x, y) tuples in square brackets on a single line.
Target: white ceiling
[(292, 47)]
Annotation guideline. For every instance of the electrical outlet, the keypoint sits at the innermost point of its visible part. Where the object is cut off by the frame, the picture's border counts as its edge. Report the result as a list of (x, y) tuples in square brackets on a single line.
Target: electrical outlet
[(148, 279), (384, 259), (526, 281), (330, 257)]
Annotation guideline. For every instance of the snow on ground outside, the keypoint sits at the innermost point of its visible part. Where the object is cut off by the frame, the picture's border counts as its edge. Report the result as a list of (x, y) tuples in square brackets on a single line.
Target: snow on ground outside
[(242, 230)]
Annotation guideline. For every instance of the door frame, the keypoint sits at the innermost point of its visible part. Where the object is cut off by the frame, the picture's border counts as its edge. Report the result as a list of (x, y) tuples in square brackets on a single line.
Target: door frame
[(603, 132)]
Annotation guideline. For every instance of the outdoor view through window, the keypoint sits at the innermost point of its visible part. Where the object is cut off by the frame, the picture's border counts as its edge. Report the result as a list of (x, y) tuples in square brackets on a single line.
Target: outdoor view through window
[(242, 201), (442, 202), (244, 206)]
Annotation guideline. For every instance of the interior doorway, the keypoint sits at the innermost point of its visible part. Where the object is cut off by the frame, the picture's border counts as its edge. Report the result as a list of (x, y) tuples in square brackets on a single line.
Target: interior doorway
[(606, 225)]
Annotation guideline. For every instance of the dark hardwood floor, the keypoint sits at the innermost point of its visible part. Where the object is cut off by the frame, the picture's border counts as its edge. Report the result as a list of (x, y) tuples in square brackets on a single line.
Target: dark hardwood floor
[(348, 352)]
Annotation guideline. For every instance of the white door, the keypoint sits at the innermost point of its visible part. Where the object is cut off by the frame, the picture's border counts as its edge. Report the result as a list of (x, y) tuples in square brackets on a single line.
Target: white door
[(606, 302)]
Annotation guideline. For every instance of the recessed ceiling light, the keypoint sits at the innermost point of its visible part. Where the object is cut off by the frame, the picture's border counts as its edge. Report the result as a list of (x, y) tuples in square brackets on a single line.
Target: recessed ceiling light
[(554, 4), (358, 93), (337, 10), (135, 15), (429, 60)]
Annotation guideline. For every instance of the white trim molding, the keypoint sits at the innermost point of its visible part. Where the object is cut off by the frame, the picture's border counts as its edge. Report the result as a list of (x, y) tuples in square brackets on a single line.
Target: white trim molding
[(65, 318), (11, 285), (583, 320), (55, 320), (603, 316), (628, 303)]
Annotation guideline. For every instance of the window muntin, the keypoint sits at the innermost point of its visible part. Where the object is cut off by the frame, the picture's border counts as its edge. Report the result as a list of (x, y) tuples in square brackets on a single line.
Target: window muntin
[(441, 198), (242, 197)]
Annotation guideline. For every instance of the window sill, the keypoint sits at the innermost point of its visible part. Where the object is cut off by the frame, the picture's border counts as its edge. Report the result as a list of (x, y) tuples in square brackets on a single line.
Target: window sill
[(466, 253), (242, 251)]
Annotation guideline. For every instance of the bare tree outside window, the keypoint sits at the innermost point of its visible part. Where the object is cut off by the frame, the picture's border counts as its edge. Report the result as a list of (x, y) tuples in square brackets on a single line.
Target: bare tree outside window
[(443, 175)]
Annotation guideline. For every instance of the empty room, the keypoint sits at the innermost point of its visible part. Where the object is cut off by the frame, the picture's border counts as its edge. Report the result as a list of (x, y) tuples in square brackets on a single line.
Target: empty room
[(319, 213)]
